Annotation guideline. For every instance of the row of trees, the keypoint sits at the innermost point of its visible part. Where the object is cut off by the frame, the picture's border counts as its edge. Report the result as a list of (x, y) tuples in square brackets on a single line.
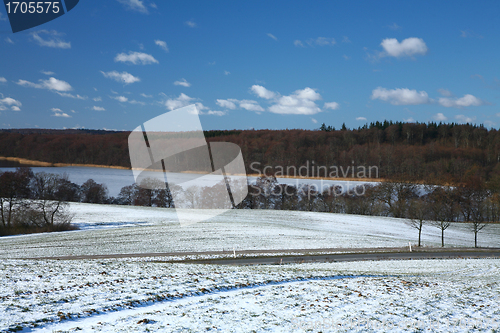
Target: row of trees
[(424, 152), (439, 206), (37, 202)]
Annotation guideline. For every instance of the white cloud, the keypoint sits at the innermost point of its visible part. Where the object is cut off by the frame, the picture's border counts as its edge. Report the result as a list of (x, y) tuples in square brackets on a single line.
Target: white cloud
[(2, 18), (445, 92), (71, 95), (332, 105), (394, 26), (321, 41), (8, 40), (489, 123), (409, 120), (191, 24), (298, 43), (121, 99), (7, 101), (263, 92), (133, 101), (179, 102), (227, 103), (98, 108), (272, 36), (300, 102), (123, 77), (55, 84), (308, 93), (466, 34), (136, 58), (361, 118), (346, 57), (246, 104), (464, 119), (10, 101), (293, 105), (408, 47), (2, 79), (59, 113), (314, 120), (51, 84), (162, 45), (135, 5), (184, 100), (466, 100), (227, 72), (146, 96), (53, 41), (183, 83), (47, 72), (250, 105), (439, 117), (215, 113), (401, 96), (97, 99), (346, 40)]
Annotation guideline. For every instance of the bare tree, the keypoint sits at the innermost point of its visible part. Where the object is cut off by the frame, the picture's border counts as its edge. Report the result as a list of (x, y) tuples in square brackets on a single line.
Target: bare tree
[(48, 201), (418, 212), (266, 185), (14, 189), (442, 208), (93, 192), (479, 212), (396, 196), (475, 202), (127, 194)]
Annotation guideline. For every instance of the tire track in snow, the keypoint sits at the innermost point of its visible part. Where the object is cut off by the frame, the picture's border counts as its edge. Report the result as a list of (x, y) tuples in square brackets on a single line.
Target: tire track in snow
[(149, 306)]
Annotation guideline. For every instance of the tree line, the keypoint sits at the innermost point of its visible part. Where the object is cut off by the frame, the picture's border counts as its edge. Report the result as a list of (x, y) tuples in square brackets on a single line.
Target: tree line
[(421, 152), (38, 202), (472, 203)]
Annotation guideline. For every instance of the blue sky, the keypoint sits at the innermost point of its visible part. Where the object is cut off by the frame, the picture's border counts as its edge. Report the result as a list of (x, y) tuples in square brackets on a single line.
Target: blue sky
[(115, 64)]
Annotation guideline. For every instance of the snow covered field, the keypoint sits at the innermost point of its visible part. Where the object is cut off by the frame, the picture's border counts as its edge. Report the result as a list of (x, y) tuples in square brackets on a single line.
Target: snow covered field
[(141, 295), (109, 229), (130, 295)]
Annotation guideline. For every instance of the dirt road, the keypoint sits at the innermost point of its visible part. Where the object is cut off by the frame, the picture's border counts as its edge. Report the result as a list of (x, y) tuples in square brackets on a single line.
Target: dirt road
[(287, 256)]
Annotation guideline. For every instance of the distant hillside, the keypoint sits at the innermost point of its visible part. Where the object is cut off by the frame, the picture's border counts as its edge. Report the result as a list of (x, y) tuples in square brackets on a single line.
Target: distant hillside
[(429, 152)]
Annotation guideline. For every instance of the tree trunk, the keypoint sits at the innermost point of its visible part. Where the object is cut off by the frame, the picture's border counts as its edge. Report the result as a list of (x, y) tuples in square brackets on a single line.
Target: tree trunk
[(475, 238), (442, 237), (419, 234)]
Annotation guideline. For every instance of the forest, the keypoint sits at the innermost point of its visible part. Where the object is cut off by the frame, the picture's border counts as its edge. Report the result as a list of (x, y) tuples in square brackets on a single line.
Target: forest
[(428, 153)]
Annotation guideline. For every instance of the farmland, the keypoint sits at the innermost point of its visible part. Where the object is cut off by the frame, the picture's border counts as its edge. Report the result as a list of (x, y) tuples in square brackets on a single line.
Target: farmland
[(109, 229), (150, 294), (117, 295)]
